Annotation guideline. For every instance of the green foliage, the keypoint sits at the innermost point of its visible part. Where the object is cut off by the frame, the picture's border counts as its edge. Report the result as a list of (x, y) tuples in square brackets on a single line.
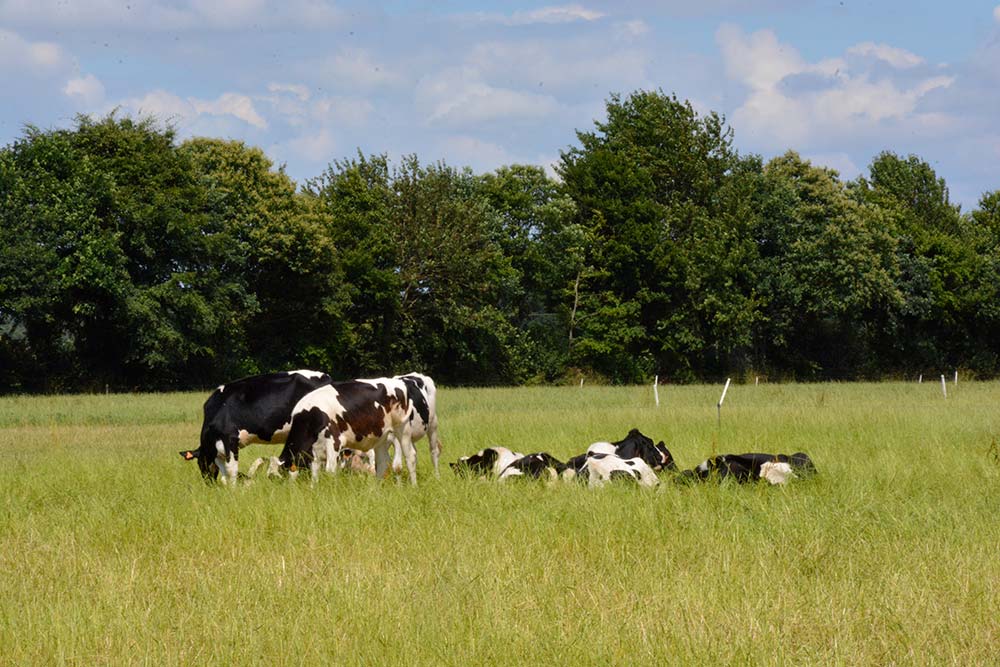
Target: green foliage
[(129, 260)]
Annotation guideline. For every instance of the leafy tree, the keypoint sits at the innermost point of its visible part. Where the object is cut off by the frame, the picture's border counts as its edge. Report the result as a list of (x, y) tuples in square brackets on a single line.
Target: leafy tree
[(275, 246), (653, 188), (107, 218), (942, 280), (546, 252), (826, 272)]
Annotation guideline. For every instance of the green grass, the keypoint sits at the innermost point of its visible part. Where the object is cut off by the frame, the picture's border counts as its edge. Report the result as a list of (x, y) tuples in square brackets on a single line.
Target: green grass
[(112, 551)]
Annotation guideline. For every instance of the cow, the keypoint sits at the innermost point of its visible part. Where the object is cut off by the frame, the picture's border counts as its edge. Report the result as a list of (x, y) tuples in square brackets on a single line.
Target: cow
[(249, 410), (602, 468), (359, 414), (633, 445), (774, 468), (533, 466), (423, 420), (353, 460), (489, 462)]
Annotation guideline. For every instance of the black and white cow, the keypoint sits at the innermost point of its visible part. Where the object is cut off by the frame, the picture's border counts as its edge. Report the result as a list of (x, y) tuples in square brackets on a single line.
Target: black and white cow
[(423, 420), (775, 468), (633, 445), (359, 414), (489, 462), (252, 409), (602, 468), (533, 466)]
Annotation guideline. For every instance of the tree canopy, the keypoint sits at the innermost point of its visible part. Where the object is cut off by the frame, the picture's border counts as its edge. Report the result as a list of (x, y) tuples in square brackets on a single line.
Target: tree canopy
[(131, 259)]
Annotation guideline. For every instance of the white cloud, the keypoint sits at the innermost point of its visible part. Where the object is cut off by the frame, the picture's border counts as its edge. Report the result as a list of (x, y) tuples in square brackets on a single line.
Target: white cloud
[(459, 96), (87, 89), (899, 58), (230, 104), (555, 14), (996, 13), (313, 146), (545, 15), (792, 102), (631, 29), (160, 15), (300, 91), (475, 152), (841, 162), (19, 54), (565, 66), (355, 68), (169, 107)]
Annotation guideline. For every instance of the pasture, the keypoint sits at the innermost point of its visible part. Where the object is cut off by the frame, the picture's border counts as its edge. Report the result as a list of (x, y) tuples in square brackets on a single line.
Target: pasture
[(112, 550)]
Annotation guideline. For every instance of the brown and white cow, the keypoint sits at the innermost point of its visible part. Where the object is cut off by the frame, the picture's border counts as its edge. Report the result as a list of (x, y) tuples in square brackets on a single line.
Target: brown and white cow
[(359, 414)]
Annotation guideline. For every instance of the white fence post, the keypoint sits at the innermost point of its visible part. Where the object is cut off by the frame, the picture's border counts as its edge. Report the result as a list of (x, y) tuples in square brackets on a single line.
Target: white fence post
[(944, 387), (656, 392), (721, 399)]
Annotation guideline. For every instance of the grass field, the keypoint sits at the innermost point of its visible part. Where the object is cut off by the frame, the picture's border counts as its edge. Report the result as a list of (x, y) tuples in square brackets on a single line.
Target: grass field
[(114, 551)]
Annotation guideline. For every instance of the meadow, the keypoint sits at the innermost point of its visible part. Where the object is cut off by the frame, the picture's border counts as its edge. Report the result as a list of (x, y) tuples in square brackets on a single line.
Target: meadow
[(113, 551)]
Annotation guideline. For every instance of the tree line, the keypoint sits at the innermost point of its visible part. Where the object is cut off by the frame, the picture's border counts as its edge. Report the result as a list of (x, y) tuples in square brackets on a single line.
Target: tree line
[(133, 260)]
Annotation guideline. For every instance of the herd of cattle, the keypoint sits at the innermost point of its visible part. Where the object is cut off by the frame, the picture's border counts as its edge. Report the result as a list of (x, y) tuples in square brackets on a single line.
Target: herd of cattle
[(350, 425)]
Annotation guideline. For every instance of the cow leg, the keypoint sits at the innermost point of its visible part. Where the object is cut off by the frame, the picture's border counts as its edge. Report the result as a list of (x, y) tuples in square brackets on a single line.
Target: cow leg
[(397, 459), (382, 458), (226, 461), (435, 445), (405, 443), (325, 452)]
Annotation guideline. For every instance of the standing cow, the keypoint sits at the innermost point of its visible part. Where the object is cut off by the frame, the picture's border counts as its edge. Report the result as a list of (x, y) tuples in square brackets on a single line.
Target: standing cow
[(423, 420), (249, 410), (359, 414)]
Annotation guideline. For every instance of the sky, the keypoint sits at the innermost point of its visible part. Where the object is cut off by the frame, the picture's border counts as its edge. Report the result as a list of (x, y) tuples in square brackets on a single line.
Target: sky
[(485, 84)]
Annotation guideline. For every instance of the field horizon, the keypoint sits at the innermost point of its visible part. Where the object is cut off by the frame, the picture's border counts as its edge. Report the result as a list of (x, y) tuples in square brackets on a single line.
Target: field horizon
[(115, 552)]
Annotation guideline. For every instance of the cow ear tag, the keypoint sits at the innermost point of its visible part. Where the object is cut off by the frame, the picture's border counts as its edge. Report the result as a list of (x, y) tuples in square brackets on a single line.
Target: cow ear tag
[(293, 468), (188, 455)]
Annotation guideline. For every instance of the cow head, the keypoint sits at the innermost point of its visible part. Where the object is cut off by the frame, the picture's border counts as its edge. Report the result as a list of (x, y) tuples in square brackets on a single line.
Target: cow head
[(666, 458), (206, 462), (480, 463)]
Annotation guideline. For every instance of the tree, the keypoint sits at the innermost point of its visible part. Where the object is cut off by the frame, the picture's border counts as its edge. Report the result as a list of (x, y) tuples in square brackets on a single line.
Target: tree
[(669, 291), (545, 248), (108, 255), (276, 246), (826, 272), (943, 282)]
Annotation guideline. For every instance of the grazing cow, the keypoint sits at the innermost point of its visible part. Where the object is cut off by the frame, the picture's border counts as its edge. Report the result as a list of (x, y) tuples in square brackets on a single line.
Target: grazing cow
[(634, 445), (359, 414), (602, 468), (486, 462), (775, 468), (533, 466), (423, 395), (249, 410)]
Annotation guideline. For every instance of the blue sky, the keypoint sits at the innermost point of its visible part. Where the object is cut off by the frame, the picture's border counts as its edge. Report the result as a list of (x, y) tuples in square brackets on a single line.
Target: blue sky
[(487, 83)]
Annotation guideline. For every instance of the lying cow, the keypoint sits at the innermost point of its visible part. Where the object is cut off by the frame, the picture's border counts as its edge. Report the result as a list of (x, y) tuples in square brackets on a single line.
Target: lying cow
[(634, 445), (249, 410), (601, 468), (353, 460), (359, 414), (775, 468), (488, 462), (533, 466)]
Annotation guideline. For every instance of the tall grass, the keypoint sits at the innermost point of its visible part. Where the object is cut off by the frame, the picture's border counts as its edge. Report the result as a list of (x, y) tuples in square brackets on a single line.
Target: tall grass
[(112, 551)]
